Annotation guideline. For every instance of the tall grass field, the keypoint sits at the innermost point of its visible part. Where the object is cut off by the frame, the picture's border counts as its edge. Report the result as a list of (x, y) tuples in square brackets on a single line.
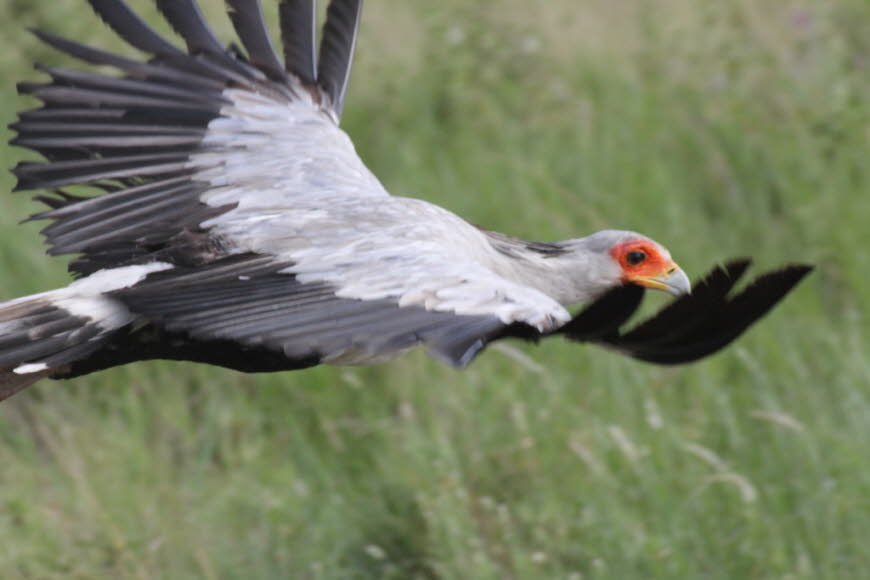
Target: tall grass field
[(722, 129)]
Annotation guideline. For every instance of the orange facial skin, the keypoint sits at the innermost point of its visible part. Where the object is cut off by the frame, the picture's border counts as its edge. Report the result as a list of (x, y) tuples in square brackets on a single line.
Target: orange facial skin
[(654, 265)]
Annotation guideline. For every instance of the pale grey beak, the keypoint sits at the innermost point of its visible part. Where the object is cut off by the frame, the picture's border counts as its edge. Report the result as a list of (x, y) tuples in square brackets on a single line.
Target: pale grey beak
[(676, 283)]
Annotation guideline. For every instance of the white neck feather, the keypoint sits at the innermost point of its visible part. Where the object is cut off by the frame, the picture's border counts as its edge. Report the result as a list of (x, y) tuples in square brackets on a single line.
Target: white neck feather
[(571, 272)]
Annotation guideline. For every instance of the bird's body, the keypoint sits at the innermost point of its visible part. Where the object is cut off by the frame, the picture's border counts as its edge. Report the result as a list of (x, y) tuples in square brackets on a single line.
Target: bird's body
[(236, 225)]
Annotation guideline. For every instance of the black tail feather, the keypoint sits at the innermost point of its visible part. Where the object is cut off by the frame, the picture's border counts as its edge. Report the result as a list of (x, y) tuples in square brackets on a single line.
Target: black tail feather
[(36, 330), (690, 328), (604, 316), (703, 322), (722, 325), (681, 316)]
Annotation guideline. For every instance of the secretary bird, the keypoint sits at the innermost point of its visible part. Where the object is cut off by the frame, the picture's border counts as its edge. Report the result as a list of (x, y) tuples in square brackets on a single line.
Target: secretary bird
[(231, 222)]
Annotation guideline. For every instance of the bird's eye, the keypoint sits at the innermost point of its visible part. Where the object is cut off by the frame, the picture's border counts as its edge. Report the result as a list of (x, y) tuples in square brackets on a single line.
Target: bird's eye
[(635, 257)]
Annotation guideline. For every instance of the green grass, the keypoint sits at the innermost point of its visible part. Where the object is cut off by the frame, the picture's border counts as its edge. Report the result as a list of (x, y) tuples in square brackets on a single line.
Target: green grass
[(721, 129)]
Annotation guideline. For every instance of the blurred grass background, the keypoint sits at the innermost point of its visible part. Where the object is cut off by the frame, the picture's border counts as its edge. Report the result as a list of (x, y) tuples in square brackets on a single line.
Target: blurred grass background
[(721, 129)]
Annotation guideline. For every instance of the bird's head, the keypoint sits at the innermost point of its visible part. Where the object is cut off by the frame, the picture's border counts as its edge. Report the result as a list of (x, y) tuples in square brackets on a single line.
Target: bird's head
[(615, 257), (645, 263)]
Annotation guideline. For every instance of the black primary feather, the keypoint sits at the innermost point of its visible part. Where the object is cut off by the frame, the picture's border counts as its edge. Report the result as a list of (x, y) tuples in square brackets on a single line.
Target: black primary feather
[(136, 87), (187, 20), (247, 19), (185, 17), (135, 69), (298, 20), (133, 135), (132, 29), (336, 50), (60, 173)]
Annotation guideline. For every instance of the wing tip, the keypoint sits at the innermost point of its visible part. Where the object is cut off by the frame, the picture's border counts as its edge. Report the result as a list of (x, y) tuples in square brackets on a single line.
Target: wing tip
[(337, 48)]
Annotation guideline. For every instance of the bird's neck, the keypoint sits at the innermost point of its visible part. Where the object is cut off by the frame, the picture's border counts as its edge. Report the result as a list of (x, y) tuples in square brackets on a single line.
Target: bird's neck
[(565, 271)]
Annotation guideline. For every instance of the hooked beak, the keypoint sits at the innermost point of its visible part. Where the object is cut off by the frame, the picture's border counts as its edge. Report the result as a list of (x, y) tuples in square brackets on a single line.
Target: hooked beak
[(673, 281)]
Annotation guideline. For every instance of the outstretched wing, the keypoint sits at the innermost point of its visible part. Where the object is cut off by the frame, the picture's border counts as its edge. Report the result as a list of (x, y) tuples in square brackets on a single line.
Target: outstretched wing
[(204, 156), (148, 138)]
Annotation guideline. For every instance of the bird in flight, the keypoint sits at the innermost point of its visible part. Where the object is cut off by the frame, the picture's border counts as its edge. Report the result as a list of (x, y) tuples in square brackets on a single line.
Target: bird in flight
[(222, 216)]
